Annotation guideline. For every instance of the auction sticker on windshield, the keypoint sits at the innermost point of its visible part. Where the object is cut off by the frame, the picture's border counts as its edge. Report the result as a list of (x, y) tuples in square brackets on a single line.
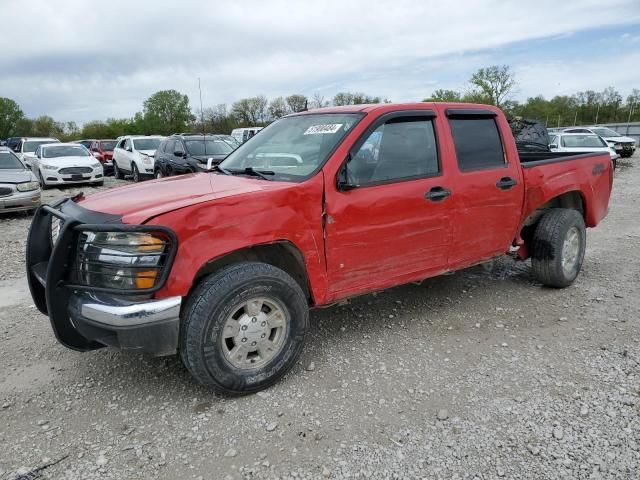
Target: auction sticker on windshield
[(326, 128)]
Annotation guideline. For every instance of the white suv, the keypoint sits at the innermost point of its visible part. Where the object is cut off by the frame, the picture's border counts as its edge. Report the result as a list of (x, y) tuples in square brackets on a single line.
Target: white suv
[(624, 146), (133, 155)]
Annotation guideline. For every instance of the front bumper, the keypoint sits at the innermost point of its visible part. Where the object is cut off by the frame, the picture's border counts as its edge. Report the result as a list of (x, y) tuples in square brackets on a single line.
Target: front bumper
[(20, 201), (83, 319), (149, 326)]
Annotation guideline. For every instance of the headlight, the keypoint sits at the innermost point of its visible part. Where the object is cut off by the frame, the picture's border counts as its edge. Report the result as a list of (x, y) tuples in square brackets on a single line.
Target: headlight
[(146, 160), (122, 260), (28, 186), (49, 167), (96, 165)]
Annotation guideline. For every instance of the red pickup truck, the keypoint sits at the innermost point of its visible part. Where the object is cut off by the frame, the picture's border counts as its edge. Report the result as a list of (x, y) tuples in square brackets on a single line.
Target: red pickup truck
[(223, 266)]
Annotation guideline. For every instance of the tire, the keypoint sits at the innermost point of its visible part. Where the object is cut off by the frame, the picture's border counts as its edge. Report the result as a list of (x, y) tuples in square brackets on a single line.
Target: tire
[(221, 300), (159, 174), (558, 247), (135, 173), (43, 184), (116, 171)]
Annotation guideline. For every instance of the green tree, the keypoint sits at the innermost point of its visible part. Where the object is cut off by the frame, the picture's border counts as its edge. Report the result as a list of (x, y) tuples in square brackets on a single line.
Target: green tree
[(296, 102), (251, 111), (354, 98), (166, 112), (46, 126), (278, 108), (495, 82), (10, 116), (443, 95)]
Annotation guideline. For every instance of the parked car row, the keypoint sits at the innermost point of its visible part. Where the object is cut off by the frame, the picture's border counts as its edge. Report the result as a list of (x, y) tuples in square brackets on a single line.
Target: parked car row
[(581, 143), (623, 146), (137, 156)]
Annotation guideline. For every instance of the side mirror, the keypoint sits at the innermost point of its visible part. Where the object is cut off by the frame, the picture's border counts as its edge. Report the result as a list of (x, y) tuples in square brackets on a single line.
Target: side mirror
[(343, 184), (553, 145)]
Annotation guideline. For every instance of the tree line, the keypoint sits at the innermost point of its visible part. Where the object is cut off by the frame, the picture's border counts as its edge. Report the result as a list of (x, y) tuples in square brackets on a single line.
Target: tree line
[(169, 111)]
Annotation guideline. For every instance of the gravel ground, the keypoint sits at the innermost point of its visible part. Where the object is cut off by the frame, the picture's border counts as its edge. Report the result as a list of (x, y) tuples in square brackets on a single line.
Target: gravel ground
[(479, 374)]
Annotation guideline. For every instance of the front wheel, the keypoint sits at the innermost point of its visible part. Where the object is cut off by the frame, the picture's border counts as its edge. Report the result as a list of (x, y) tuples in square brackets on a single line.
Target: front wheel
[(558, 247), (243, 328), (117, 172), (159, 174), (135, 173)]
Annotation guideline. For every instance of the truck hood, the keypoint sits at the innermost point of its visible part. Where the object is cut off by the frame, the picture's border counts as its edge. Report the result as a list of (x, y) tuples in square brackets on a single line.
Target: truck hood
[(140, 202)]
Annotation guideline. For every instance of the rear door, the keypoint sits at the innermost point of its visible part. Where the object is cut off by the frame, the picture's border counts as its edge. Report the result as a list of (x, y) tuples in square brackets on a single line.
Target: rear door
[(393, 222), (489, 188)]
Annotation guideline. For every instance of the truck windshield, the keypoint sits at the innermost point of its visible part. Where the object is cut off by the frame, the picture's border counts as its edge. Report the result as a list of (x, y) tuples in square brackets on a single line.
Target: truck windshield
[(583, 141), (293, 147), (108, 145)]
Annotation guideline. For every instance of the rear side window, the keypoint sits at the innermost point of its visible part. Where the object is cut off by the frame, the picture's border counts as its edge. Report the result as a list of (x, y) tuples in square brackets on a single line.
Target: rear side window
[(478, 144)]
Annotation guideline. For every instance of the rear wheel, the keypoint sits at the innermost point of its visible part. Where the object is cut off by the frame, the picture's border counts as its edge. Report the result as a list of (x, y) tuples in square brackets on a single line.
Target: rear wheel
[(116, 171), (558, 247), (135, 172), (244, 328)]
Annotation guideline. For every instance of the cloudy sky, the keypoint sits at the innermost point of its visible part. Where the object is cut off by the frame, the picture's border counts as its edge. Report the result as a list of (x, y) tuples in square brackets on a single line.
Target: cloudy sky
[(83, 60)]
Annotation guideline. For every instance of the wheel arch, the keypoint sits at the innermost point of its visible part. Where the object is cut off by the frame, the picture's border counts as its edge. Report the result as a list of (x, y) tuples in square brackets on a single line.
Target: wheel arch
[(572, 199), (282, 254)]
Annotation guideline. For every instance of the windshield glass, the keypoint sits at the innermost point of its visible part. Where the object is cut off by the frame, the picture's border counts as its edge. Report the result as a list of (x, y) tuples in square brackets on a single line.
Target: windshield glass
[(583, 141), (605, 132), (65, 151), (32, 145), (146, 143), (8, 161), (210, 147), (293, 147), (229, 139), (108, 145)]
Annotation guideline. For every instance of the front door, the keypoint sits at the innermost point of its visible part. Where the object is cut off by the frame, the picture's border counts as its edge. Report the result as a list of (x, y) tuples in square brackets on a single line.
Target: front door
[(392, 221)]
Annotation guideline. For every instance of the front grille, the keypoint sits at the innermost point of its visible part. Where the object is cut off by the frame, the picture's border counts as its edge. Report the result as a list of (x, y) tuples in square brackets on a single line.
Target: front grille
[(5, 191), (74, 170)]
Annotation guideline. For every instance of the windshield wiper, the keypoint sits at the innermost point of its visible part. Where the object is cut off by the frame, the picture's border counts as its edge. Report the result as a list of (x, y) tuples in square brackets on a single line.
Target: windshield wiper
[(218, 168), (254, 173)]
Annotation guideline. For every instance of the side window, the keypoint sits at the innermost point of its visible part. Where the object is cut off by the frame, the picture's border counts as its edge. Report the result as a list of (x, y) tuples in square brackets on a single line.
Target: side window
[(553, 140), (402, 148), (127, 144), (478, 144), (169, 148), (161, 147), (178, 147)]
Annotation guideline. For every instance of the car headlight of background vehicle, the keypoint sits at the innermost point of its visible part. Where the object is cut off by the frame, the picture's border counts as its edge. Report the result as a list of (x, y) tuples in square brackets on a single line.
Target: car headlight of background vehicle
[(49, 167), (123, 260), (27, 186)]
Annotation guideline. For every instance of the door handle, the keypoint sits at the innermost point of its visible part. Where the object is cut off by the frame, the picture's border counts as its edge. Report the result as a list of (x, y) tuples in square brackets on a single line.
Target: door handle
[(505, 183), (437, 194)]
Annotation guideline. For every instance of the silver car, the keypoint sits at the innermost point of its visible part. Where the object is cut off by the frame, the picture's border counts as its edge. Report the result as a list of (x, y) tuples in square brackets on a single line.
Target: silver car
[(19, 188)]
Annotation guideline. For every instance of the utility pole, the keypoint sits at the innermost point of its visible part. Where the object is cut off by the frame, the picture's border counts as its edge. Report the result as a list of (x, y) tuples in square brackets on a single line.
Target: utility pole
[(546, 122), (201, 110), (630, 112), (597, 113), (558, 120), (575, 118)]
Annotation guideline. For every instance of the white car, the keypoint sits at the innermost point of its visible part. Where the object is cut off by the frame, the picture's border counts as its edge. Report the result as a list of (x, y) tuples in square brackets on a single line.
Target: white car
[(580, 143), (624, 146), (66, 164), (27, 147), (134, 155), (243, 134)]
